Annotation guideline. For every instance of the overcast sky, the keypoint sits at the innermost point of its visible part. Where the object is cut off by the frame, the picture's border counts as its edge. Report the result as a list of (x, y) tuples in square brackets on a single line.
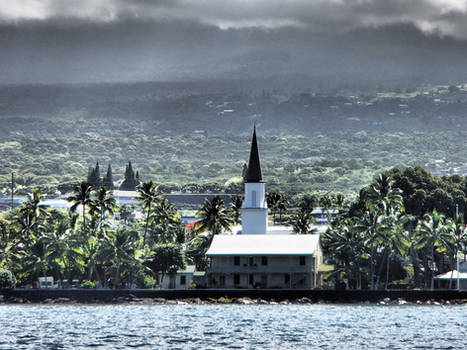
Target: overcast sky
[(132, 40)]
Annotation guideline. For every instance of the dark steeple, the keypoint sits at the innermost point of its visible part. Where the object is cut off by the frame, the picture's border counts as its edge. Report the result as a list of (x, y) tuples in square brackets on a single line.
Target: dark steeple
[(253, 173)]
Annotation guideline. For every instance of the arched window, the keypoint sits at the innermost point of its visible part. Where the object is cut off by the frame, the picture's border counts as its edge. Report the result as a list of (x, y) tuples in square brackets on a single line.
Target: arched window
[(253, 199)]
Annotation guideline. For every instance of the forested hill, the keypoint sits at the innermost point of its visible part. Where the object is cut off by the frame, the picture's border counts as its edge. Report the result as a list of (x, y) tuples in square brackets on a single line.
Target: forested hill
[(199, 132)]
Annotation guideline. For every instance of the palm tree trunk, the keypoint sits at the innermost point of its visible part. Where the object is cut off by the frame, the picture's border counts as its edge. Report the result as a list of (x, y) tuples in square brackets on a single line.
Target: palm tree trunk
[(432, 264), (388, 260), (146, 226), (381, 266)]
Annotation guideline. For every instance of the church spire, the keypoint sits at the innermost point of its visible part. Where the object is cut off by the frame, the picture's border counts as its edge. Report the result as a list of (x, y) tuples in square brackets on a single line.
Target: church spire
[(253, 173)]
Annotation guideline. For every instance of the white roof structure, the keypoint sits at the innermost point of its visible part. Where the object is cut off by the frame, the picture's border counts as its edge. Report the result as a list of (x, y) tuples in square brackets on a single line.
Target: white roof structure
[(55, 203), (454, 274), (263, 245)]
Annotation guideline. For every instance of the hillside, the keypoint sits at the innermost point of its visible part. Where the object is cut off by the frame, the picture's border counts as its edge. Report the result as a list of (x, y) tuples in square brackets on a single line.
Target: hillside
[(199, 133)]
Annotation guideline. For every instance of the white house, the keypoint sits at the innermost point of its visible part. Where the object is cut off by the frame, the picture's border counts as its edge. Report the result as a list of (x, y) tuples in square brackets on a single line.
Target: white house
[(264, 261), (258, 255), (181, 280), (451, 279)]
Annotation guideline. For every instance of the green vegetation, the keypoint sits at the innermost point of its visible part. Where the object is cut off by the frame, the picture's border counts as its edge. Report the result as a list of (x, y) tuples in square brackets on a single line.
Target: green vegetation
[(404, 223), (308, 141), (7, 280)]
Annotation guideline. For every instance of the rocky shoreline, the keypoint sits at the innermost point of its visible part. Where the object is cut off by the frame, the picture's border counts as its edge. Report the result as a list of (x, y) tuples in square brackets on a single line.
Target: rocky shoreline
[(222, 300)]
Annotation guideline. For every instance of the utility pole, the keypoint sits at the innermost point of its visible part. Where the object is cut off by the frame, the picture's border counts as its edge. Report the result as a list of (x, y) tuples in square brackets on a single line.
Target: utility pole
[(12, 189)]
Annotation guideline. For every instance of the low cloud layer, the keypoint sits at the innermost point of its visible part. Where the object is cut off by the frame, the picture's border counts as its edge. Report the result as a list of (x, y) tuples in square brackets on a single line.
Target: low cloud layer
[(445, 17)]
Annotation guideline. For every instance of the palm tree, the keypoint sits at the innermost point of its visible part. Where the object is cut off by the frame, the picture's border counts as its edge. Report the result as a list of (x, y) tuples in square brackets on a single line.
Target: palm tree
[(32, 206), (103, 204), (273, 198), (148, 194), (282, 206), (434, 234), (213, 217), (346, 248), (301, 222), (81, 196), (119, 250), (165, 221), (236, 206), (384, 195), (369, 225), (395, 239)]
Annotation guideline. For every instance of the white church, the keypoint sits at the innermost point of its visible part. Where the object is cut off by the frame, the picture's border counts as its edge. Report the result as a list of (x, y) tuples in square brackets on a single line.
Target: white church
[(258, 255)]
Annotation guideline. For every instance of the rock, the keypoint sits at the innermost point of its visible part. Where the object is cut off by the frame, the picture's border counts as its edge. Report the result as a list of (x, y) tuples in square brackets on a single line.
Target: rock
[(261, 302), (62, 300), (2, 298), (401, 301), (224, 300), (160, 300), (179, 302), (244, 301)]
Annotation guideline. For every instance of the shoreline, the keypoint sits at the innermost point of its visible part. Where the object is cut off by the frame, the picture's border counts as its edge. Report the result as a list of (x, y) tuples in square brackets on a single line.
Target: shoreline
[(232, 296)]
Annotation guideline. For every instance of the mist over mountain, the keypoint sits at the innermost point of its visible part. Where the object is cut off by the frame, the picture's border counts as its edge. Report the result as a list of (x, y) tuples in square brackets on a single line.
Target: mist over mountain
[(396, 55)]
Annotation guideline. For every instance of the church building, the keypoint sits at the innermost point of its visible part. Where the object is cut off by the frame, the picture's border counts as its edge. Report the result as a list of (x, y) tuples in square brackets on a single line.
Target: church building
[(258, 255)]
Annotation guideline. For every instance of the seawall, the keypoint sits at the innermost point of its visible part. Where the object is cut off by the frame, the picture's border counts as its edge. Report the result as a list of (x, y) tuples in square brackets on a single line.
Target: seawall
[(342, 296)]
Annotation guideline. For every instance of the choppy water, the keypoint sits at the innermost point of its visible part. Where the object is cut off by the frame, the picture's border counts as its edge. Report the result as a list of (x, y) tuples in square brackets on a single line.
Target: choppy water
[(232, 327)]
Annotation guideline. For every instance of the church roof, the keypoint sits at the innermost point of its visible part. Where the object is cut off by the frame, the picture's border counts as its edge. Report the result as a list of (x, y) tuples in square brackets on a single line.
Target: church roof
[(257, 244), (253, 173)]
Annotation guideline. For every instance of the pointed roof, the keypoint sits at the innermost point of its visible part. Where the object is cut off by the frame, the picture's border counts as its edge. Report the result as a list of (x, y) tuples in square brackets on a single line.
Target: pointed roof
[(253, 173)]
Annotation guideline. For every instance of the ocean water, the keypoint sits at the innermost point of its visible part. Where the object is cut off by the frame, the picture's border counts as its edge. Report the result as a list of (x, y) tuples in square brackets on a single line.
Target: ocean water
[(233, 327)]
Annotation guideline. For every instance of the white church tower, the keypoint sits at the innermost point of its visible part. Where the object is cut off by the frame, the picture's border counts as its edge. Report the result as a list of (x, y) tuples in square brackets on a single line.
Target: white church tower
[(254, 208)]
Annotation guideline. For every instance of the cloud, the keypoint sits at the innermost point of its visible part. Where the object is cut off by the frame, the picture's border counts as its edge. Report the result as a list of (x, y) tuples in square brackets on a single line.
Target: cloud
[(446, 17)]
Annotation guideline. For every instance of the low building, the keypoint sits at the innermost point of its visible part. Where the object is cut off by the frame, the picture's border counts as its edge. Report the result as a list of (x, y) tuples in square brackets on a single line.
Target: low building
[(264, 261), (181, 280), (450, 279)]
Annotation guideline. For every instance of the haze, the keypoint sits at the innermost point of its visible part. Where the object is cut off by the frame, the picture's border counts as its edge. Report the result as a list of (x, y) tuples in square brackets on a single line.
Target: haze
[(362, 43)]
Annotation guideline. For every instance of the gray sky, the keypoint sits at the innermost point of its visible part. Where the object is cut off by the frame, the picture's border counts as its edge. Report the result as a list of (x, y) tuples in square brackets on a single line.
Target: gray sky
[(122, 40)]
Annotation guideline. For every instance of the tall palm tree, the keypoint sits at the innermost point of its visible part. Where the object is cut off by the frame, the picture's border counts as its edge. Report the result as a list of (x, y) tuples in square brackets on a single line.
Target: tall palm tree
[(104, 204), (434, 234), (147, 195), (369, 225), (395, 239), (81, 196), (213, 217)]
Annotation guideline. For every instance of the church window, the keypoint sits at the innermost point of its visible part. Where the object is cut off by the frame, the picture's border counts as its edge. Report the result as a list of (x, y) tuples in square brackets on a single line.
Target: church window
[(302, 260), (236, 279), (264, 260), (253, 198), (236, 260)]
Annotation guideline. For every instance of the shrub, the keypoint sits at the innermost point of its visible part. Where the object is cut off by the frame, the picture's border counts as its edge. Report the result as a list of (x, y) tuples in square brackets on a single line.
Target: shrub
[(88, 285), (7, 280)]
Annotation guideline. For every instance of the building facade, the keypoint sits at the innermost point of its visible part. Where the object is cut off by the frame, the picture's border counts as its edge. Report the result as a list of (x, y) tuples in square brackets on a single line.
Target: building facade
[(258, 255)]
